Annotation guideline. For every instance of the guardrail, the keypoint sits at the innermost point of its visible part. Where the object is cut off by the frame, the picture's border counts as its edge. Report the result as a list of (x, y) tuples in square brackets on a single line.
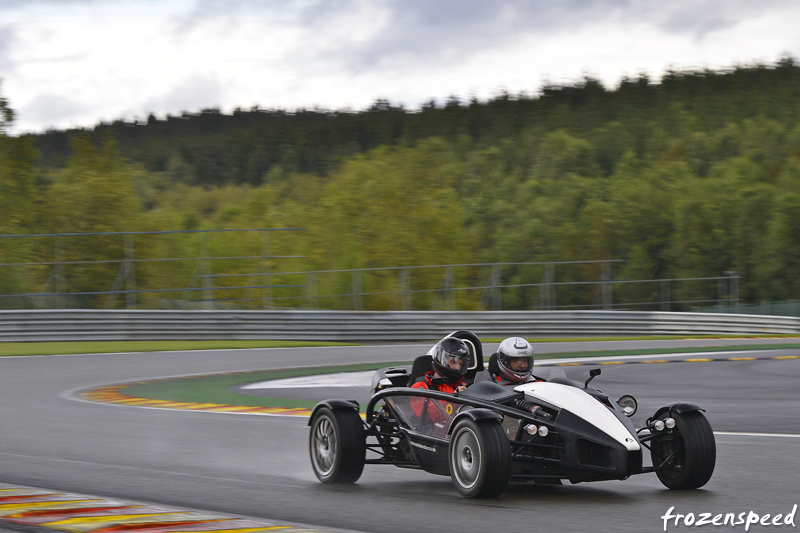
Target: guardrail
[(366, 326)]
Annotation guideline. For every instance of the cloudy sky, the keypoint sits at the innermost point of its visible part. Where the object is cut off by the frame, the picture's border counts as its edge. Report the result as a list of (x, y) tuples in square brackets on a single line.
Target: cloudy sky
[(67, 63)]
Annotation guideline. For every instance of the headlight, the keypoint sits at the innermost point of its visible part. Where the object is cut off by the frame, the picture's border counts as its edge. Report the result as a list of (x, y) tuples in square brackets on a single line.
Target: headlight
[(628, 404), (532, 430)]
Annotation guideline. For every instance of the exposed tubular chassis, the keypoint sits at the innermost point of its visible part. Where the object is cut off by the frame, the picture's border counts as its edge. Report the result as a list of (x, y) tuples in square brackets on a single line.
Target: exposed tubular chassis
[(488, 436)]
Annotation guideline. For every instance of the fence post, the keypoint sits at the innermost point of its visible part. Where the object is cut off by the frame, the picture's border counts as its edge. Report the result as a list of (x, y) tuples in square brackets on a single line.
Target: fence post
[(206, 270), (358, 298), (266, 269), (733, 289), (130, 280), (605, 275), (311, 291), (547, 293), (495, 292), (60, 274), (449, 282), (665, 296), (405, 295)]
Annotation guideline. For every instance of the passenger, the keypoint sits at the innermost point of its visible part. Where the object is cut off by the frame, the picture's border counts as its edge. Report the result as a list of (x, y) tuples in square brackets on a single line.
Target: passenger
[(515, 357)]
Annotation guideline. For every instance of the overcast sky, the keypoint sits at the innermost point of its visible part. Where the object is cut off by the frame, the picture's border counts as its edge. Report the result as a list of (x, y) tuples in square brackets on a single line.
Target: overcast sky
[(67, 63)]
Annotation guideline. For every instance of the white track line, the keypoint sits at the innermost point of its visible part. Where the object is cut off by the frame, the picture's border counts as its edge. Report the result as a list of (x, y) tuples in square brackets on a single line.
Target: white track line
[(742, 434)]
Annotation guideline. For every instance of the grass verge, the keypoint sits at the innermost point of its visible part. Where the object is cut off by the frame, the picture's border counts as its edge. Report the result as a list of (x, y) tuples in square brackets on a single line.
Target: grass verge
[(221, 388), (656, 351), (79, 347)]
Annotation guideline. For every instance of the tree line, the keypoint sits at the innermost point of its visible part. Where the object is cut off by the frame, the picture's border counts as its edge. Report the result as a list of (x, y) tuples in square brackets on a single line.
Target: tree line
[(691, 176)]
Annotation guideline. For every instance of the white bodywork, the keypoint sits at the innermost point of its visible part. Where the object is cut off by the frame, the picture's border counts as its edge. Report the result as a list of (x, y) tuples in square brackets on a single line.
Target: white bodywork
[(583, 405)]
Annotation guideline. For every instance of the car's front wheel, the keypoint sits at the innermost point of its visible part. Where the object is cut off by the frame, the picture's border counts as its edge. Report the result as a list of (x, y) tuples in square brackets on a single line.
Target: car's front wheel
[(337, 445), (686, 454), (479, 458)]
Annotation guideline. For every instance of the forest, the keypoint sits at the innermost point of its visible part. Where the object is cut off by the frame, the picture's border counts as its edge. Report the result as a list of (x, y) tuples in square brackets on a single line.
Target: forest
[(689, 176)]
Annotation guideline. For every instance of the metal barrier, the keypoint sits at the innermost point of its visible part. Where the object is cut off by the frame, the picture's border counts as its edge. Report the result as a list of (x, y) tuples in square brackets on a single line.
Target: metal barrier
[(367, 326)]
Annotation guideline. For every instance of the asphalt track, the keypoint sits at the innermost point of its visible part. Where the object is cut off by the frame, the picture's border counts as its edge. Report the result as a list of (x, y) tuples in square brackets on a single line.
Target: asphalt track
[(256, 467)]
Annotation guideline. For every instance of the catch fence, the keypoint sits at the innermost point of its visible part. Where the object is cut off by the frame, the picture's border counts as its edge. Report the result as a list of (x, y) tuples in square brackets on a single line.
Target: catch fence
[(267, 268)]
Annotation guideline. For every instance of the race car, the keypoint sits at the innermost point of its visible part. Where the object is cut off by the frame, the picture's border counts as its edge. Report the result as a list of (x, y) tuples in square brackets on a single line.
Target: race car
[(489, 435)]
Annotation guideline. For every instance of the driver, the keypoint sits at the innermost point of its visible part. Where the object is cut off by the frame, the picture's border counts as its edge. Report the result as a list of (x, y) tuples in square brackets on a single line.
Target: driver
[(515, 358), (450, 357), (450, 363)]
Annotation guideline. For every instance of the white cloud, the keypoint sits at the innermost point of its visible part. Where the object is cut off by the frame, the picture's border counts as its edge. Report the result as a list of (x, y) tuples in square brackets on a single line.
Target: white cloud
[(51, 109), (119, 60), (193, 92)]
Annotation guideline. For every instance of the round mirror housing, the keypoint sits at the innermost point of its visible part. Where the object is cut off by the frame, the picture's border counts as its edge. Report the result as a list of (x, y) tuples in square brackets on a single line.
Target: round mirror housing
[(628, 404)]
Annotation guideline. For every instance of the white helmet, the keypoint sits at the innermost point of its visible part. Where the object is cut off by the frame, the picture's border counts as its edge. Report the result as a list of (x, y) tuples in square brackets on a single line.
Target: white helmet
[(515, 348)]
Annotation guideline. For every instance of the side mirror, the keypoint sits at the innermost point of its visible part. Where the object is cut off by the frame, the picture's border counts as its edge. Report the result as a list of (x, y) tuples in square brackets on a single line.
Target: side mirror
[(592, 374), (628, 404)]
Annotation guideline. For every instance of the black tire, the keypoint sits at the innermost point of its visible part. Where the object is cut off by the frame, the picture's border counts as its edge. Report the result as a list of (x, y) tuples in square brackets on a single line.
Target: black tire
[(689, 452), (337, 445), (479, 457)]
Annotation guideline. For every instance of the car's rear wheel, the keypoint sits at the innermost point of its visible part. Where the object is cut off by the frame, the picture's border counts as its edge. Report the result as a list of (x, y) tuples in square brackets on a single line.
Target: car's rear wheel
[(686, 454), (337, 445), (479, 458)]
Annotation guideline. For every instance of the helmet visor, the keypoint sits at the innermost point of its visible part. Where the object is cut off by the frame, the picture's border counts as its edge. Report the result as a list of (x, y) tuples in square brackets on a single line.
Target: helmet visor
[(456, 363), (518, 365), (451, 359)]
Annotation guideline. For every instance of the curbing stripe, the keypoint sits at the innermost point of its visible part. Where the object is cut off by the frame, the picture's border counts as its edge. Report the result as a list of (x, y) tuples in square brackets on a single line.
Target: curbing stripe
[(687, 360), (41, 510), (11, 508), (111, 393)]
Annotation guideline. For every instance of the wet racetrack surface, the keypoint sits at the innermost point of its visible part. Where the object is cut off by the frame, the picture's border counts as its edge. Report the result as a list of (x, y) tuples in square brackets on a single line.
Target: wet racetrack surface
[(257, 466)]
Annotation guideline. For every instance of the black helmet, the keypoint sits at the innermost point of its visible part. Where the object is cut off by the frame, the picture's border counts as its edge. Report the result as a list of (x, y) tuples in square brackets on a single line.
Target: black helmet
[(451, 359), (513, 348)]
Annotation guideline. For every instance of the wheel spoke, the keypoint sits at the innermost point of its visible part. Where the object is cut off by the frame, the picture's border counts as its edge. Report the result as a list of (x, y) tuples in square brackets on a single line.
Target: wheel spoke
[(337, 445), (324, 446)]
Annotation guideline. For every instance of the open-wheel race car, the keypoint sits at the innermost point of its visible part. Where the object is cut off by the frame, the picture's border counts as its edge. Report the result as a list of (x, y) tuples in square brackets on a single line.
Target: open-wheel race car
[(490, 435)]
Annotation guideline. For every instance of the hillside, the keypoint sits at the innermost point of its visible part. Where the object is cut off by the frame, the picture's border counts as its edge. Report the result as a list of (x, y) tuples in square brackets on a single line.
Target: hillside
[(691, 176)]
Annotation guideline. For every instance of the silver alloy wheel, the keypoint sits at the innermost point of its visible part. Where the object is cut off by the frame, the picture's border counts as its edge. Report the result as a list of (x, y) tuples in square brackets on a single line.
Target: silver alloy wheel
[(466, 457), (324, 446)]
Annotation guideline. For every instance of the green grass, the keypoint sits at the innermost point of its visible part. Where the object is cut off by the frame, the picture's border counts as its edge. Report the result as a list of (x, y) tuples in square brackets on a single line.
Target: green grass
[(648, 338), (656, 351), (79, 347), (219, 388)]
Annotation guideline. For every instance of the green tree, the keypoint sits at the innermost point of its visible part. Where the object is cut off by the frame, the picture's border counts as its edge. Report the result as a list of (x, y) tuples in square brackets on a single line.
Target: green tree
[(18, 206), (392, 208), (781, 272), (94, 193)]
